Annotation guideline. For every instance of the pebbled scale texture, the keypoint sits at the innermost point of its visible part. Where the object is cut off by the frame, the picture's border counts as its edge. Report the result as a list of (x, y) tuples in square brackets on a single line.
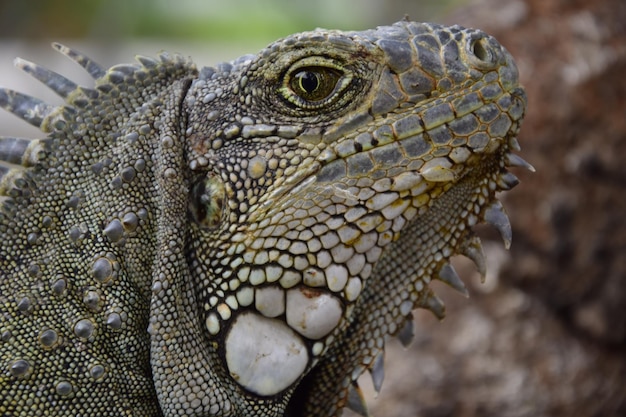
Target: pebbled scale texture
[(241, 240)]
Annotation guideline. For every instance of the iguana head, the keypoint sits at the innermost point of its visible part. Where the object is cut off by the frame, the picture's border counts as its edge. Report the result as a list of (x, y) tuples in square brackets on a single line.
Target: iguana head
[(329, 179)]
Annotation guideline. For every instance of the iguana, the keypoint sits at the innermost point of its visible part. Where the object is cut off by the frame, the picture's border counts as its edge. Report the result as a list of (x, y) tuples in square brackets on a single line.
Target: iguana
[(240, 240)]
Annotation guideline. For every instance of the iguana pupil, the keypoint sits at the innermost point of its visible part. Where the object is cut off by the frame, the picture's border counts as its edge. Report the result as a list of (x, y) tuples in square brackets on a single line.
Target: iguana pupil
[(309, 81)]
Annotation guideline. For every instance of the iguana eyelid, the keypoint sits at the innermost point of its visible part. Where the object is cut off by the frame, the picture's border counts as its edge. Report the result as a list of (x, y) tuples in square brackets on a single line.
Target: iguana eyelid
[(333, 77)]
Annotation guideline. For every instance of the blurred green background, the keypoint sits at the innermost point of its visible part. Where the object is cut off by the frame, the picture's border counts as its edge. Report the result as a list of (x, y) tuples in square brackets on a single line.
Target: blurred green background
[(202, 19)]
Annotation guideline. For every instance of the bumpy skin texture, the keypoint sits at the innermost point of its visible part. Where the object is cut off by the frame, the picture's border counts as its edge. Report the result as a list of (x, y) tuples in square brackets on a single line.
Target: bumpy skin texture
[(240, 240)]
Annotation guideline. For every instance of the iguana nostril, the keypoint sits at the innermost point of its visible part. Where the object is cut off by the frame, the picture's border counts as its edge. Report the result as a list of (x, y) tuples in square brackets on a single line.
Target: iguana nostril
[(482, 50)]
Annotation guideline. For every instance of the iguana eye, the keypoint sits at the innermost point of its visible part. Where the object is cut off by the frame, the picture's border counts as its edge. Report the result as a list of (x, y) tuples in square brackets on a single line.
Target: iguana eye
[(207, 200), (314, 83)]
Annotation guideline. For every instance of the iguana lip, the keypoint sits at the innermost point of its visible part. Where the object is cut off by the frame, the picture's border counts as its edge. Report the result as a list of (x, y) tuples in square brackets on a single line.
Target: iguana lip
[(484, 113)]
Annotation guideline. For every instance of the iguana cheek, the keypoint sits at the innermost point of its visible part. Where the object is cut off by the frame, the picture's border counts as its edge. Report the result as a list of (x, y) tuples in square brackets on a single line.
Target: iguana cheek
[(312, 313), (270, 301), (264, 355)]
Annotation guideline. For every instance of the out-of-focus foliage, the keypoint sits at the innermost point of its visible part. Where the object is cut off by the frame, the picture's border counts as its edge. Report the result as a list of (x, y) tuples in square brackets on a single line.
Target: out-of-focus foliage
[(205, 19)]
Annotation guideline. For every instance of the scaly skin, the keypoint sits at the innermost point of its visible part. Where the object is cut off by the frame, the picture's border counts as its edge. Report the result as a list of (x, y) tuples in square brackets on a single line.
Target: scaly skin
[(239, 241)]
